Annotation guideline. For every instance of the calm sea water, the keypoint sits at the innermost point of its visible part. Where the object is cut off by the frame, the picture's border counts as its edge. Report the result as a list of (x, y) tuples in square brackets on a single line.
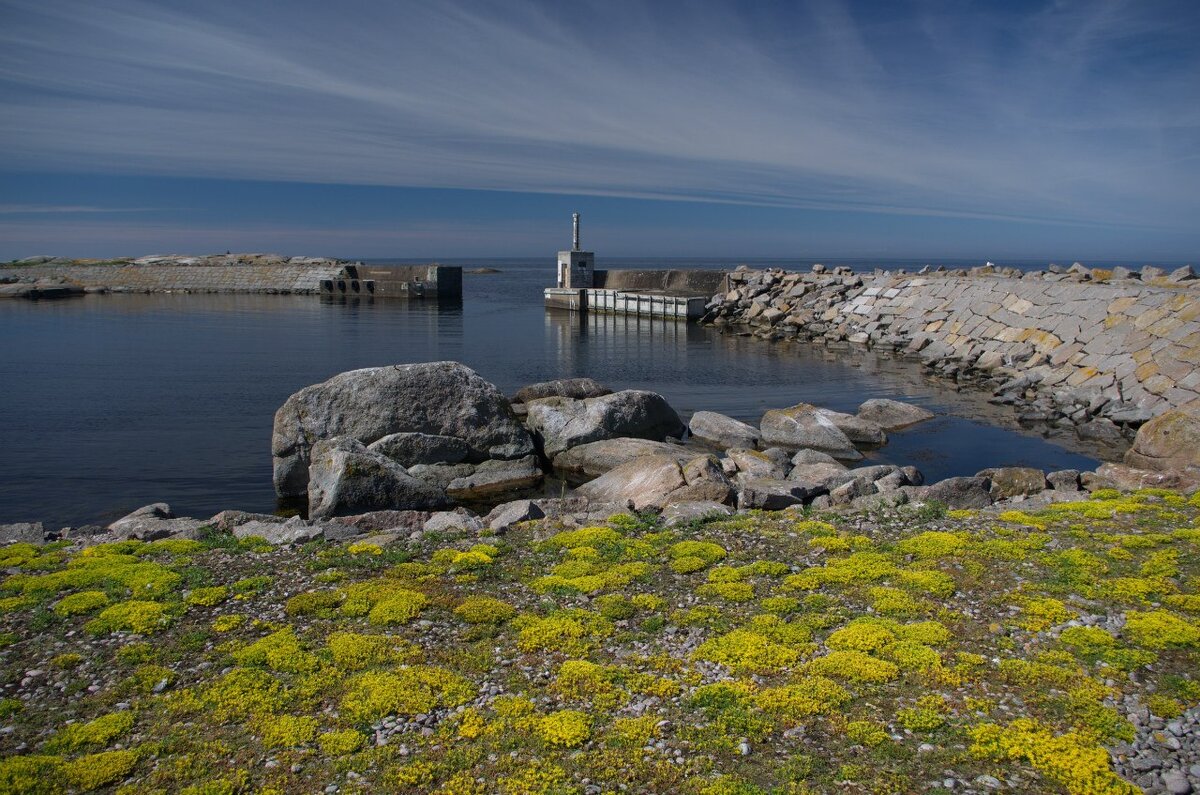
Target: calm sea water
[(111, 402)]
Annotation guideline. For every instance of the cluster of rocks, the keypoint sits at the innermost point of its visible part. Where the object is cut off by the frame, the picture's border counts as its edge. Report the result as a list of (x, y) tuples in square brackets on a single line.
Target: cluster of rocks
[(1164, 756), (58, 277), (1098, 351)]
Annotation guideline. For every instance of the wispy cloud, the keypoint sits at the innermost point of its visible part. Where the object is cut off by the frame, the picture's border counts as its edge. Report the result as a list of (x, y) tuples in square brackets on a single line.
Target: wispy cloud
[(1080, 112), (67, 209)]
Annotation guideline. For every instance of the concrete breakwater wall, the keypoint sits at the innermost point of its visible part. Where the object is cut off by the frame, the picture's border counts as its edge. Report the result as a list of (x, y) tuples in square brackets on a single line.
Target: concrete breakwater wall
[(233, 273), (1075, 348)]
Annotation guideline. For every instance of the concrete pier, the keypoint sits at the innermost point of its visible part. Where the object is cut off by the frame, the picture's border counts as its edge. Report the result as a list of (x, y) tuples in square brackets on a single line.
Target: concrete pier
[(672, 294)]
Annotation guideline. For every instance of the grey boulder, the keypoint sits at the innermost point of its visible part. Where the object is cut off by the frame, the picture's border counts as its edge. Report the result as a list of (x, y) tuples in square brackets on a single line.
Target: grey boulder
[(435, 398), (772, 494), (656, 481), (679, 513), (595, 458), (821, 477), (458, 519), (804, 426), (26, 532), (857, 429), (892, 415), (346, 478), (441, 475), (503, 517), (562, 423), (152, 522), (722, 432), (292, 531), (769, 463), (955, 493), (574, 388), (1014, 481), (496, 477), (410, 449)]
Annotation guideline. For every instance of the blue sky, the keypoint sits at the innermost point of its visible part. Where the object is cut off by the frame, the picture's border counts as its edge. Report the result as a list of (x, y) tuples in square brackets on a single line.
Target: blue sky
[(468, 129)]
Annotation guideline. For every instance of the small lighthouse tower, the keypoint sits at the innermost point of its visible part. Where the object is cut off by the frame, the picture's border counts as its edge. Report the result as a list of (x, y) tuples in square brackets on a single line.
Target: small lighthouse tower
[(576, 268)]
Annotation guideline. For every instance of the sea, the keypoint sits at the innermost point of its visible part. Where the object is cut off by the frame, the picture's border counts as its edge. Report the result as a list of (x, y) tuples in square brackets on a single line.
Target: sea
[(111, 402)]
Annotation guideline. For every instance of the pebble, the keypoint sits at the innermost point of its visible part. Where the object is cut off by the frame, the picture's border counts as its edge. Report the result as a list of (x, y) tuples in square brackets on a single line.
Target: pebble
[(991, 782), (744, 748)]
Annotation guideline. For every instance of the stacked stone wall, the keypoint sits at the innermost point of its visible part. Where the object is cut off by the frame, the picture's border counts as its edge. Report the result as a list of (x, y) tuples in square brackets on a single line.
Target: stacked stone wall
[(1063, 346), (216, 274)]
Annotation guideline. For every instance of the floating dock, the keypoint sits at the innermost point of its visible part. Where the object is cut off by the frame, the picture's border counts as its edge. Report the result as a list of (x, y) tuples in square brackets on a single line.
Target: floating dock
[(669, 294)]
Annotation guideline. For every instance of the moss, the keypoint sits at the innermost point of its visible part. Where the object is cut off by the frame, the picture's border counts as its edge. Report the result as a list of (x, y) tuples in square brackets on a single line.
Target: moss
[(96, 733), (354, 652), (33, 775), (408, 691), (1070, 760), (364, 548), (313, 603), (860, 567), (94, 771), (400, 607), (729, 591), (279, 651), (137, 616), (860, 635), (287, 731), (928, 715), (1160, 629), (566, 728), (568, 631), (933, 544), (134, 653), (810, 695), (865, 732), (207, 597), (242, 693), (484, 610), (83, 602), (705, 551), (1042, 612), (595, 537), (894, 602), (67, 661), (342, 742), (853, 666), (251, 585), (228, 623), (745, 650)]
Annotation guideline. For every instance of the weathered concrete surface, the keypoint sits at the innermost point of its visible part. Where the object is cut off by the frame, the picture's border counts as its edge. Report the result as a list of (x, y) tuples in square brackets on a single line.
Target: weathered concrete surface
[(218, 273), (1071, 345)]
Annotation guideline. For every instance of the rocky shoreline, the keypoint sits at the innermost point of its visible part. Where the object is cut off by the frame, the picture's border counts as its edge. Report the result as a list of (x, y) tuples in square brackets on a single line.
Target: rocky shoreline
[(424, 446)]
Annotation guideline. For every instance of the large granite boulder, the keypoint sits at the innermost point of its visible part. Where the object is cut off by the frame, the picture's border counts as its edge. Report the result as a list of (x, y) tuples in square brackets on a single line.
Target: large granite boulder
[(857, 429), (574, 388), (656, 481), (562, 423), (27, 532), (773, 494), (955, 493), (769, 463), (434, 398), (806, 426), (1169, 441), (152, 522), (820, 477), (346, 478), (892, 415), (412, 449), (722, 432), (1014, 481), (595, 458), (492, 478)]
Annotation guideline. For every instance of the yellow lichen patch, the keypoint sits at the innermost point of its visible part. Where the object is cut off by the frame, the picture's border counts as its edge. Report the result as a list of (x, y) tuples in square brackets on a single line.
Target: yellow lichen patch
[(341, 742), (743, 649), (1070, 760), (132, 616), (568, 631), (1160, 629), (853, 666), (94, 771), (933, 545), (810, 695), (354, 652), (287, 731), (279, 651), (96, 733), (407, 691), (207, 597), (566, 728), (83, 602)]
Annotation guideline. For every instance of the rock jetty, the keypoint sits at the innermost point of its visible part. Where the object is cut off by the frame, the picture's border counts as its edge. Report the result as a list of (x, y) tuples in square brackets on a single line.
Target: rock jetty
[(1101, 351)]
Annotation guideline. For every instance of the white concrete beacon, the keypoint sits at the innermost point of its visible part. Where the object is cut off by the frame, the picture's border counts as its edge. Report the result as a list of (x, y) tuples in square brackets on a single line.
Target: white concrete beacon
[(576, 268)]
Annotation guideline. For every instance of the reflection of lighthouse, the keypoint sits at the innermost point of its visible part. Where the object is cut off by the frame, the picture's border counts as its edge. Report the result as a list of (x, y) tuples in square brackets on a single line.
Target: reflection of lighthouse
[(576, 269)]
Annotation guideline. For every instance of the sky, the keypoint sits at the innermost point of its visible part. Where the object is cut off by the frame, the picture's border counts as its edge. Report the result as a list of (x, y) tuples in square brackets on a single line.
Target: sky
[(806, 129)]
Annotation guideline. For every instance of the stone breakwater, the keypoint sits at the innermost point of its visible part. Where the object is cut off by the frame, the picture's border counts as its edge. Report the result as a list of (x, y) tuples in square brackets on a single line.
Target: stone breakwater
[(218, 273), (1100, 350)]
